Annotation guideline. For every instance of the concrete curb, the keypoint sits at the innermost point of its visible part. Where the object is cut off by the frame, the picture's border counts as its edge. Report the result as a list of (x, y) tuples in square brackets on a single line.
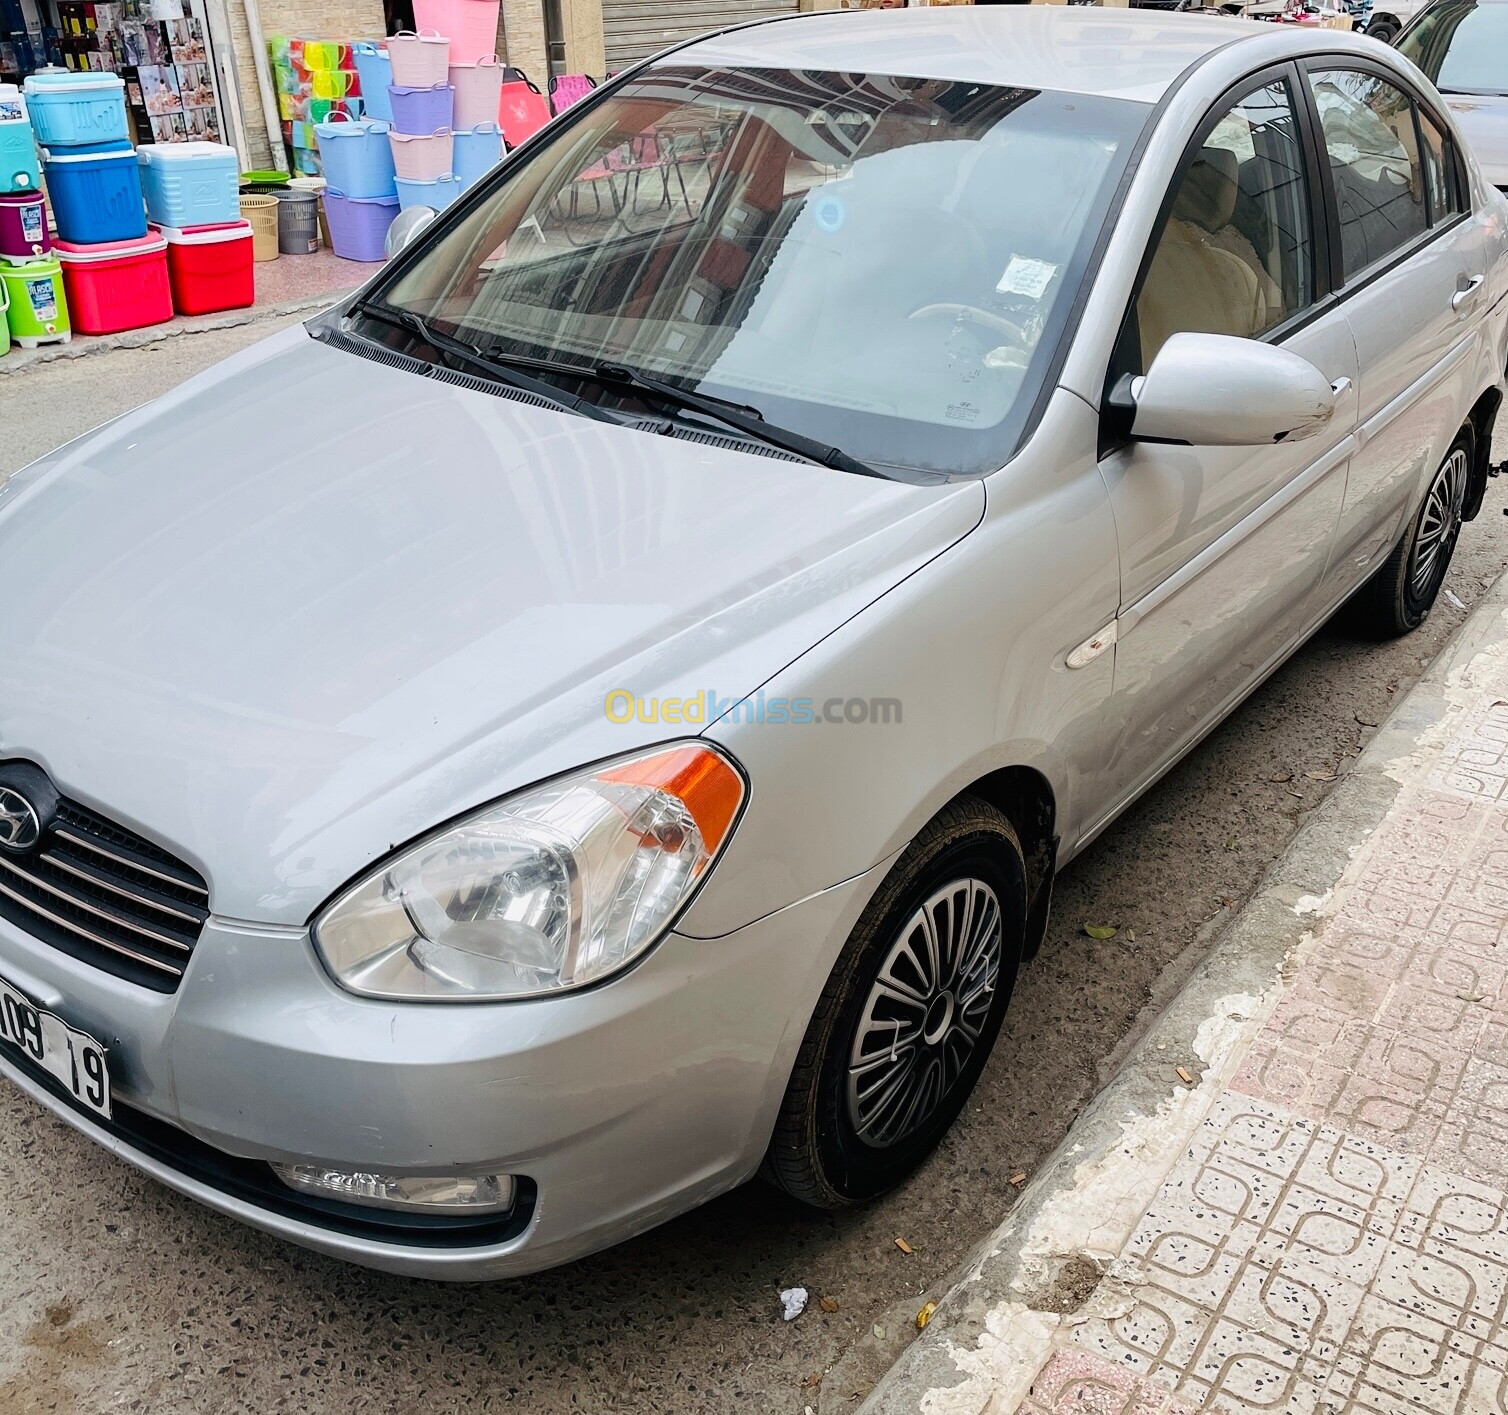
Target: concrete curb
[(20, 361), (995, 1324)]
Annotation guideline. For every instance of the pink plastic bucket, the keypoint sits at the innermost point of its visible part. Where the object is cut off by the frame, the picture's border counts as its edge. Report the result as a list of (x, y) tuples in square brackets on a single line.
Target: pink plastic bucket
[(471, 25), (23, 226), (422, 157), (419, 60), (477, 86)]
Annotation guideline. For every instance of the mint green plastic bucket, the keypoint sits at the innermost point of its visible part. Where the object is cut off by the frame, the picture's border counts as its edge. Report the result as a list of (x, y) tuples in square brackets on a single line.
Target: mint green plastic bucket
[(38, 309)]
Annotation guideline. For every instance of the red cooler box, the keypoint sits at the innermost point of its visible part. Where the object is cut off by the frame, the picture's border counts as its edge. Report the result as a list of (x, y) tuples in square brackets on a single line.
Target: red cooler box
[(210, 266), (116, 285)]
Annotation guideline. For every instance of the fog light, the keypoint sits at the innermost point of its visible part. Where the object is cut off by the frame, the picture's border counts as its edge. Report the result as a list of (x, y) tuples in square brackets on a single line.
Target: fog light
[(433, 1193)]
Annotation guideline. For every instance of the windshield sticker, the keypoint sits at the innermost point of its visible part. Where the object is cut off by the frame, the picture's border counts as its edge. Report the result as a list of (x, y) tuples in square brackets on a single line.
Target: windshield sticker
[(1024, 276)]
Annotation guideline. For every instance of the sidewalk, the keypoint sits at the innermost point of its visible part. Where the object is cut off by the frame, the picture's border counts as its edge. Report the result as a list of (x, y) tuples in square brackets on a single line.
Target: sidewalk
[(290, 284), (1313, 1216)]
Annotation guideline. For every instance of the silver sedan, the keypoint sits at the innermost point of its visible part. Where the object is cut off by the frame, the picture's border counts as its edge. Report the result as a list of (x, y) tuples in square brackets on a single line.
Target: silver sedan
[(597, 715)]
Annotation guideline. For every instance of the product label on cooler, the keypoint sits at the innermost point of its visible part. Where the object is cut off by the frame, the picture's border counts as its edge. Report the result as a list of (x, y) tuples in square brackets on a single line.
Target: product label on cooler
[(44, 299), (31, 224)]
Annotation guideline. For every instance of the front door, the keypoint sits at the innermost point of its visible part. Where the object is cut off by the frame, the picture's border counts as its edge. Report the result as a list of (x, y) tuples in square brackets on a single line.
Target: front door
[(1222, 548)]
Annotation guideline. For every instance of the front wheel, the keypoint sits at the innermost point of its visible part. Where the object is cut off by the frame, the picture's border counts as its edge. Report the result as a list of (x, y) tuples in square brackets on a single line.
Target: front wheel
[(907, 1019), (1385, 30), (1400, 595)]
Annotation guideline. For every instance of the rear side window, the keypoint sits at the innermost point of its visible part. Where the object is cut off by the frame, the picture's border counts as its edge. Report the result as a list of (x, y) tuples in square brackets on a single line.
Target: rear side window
[(1236, 254), (1378, 174), (1439, 172)]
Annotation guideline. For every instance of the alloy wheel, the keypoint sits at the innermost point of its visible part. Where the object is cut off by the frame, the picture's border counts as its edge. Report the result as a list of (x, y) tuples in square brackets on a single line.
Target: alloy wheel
[(925, 1012), (1439, 525)]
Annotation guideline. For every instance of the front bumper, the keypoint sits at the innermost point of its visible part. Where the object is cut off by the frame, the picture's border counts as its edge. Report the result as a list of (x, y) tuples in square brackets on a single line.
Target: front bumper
[(620, 1106)]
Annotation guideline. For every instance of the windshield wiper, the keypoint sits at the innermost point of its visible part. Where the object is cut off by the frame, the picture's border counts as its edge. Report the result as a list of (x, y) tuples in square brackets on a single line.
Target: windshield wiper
[(474, 358), (739, 416), (745, 419)]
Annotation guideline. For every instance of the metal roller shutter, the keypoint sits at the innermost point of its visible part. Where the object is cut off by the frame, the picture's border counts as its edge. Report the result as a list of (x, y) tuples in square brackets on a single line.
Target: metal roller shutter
[(636, 28)]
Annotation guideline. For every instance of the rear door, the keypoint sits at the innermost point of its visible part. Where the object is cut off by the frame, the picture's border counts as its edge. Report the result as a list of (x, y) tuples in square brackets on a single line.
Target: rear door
[(1223, 548), (1409, 261)]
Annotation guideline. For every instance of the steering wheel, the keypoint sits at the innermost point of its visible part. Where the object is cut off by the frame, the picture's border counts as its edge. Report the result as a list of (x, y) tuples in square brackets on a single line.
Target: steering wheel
[(996, 325)]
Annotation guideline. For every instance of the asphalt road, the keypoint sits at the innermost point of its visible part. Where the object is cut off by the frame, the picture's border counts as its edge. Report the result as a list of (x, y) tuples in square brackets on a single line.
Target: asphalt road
[(117, 1294)]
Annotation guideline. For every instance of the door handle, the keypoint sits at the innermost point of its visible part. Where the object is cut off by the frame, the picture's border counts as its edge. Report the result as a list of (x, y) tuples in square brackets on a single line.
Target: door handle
[(1340, 387), (1466, 291)]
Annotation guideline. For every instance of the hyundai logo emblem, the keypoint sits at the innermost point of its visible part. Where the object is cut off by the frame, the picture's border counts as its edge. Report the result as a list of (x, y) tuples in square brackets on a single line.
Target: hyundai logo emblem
[(20, 825)]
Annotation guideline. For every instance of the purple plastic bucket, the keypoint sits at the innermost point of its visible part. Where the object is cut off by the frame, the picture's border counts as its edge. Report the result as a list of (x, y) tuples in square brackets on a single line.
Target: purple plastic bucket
[(23, 226), (358, 225), (421, 110)]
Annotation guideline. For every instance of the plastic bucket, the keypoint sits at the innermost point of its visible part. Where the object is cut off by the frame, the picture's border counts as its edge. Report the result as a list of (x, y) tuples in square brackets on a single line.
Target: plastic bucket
[(477, 86), (375, 69), (298, 222), (420, 110), (118, 286), (69, 108), (421, 157), (357, 157), (262, 211), (18, 157), (437, 194), (23, 226), (38, 307), (418, 60), (477, 152), (96, 195), (471, 25), (210, 268), (358, 225)]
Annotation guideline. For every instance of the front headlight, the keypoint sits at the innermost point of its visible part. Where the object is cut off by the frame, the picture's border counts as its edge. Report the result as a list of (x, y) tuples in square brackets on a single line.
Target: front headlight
[(551, 889)]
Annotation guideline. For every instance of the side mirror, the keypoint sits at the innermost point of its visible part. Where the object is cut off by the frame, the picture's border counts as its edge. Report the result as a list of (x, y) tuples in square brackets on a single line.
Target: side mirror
[(1213, 390), (406, 225)]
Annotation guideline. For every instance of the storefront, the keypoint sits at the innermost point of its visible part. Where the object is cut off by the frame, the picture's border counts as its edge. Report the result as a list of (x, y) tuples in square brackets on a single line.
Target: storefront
[(161, 48), (633, 29)]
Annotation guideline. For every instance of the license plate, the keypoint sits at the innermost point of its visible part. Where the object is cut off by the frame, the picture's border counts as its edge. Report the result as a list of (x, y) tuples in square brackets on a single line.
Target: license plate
[(74, 1059)]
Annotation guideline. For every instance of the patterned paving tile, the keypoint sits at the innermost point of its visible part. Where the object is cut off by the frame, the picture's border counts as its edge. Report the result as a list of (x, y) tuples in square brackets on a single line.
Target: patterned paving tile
[(1074, 1382)]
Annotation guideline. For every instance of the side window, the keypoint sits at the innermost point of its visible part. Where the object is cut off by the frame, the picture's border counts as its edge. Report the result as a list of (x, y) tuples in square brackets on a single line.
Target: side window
[(1236, 255), (1439, 172), (1374, 159)]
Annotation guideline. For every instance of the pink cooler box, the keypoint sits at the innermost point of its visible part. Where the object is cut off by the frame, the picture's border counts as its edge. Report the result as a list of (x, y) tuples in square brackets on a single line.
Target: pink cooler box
[(210, 268), (116, 285)]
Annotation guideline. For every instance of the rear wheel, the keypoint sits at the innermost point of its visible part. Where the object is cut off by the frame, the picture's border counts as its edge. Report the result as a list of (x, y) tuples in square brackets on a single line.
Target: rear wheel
[(1401, 594), (1385, 30), (906, 1022)]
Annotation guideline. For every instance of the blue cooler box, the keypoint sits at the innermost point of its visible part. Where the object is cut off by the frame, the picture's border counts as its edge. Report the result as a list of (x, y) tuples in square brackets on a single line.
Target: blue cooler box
[(190, 183), (96, 192), (18, 157), (68, 108)]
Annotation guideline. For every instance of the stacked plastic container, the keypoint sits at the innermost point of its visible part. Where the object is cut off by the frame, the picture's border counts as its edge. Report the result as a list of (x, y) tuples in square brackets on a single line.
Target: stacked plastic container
[(192, 193), (361, 195), (33, 306)]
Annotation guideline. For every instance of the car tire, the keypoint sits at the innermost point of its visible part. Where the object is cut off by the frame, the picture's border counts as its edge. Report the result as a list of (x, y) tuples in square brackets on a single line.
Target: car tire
[(859, 1113), (1401, 593), (1385, 30)]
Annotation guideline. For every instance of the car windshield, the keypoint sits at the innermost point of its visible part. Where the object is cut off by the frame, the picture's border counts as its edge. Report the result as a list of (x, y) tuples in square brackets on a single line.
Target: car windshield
[(1461, 46), (880, 264)]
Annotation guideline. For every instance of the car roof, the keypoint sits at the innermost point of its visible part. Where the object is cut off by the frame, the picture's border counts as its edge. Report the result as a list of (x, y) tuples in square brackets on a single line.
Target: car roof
[(1083, 49)]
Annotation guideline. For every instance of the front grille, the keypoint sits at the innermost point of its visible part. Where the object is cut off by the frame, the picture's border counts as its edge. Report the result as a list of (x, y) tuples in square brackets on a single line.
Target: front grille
[(101, 893)]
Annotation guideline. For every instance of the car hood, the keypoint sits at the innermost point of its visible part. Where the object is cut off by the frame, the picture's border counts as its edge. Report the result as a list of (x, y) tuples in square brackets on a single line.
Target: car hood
[(307, 606), (1483, 120)]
